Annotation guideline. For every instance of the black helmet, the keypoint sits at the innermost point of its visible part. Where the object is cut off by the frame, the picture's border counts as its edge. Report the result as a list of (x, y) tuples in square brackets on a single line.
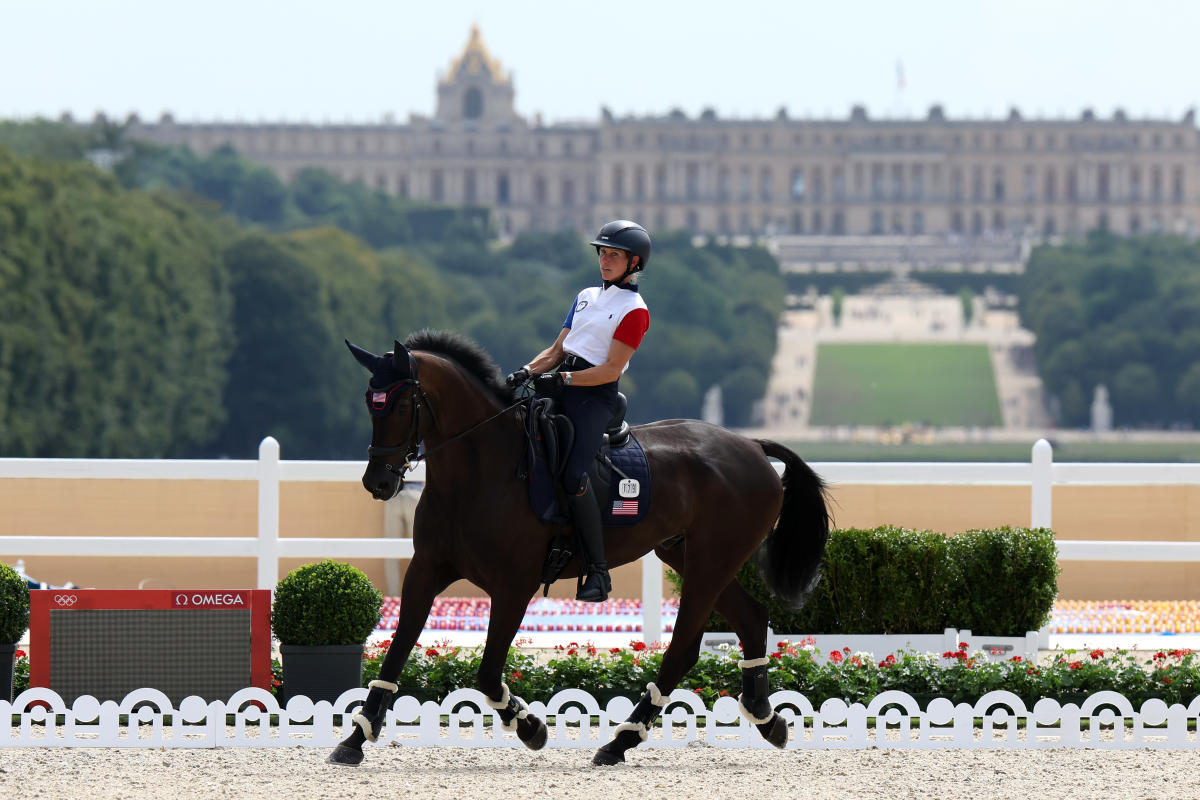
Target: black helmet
[(624, 235)]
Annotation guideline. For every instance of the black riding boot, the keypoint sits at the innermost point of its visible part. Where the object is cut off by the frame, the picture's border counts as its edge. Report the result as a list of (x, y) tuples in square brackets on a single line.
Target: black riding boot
[(586, 516)]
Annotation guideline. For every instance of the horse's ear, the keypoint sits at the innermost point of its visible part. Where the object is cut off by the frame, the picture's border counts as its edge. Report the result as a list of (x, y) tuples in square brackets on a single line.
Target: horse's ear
[(400, 358), (364, 357)]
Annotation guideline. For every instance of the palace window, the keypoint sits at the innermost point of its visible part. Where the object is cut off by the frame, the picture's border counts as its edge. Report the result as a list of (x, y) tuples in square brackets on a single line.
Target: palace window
[(473, 103), (797, 184), (998, 183), (502, 190), (1177, 184)]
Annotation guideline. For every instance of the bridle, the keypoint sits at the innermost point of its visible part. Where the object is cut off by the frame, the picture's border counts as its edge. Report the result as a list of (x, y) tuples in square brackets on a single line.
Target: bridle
[(379, 404)]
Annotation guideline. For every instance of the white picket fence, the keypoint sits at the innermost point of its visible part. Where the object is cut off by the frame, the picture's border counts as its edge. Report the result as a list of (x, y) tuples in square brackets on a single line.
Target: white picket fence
[(1041, 474), (145, 718)]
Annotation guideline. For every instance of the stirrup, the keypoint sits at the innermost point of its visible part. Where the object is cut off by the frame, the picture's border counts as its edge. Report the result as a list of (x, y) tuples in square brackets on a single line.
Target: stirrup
[(596, 586)]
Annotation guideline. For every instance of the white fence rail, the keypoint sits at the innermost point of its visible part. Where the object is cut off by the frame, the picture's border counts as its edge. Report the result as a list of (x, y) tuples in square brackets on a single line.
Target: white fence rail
[(1041, 474)]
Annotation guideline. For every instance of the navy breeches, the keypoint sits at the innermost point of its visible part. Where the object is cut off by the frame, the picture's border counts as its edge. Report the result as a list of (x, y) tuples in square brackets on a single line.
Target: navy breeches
[(590, 409)]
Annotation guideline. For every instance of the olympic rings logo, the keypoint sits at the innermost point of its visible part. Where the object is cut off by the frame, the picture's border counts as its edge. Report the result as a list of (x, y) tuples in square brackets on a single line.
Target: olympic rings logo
[(66, 599)]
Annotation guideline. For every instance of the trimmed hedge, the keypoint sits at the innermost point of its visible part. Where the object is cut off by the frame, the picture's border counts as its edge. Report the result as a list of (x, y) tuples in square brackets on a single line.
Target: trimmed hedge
[(14, 605), (328, 603), (888, 580)]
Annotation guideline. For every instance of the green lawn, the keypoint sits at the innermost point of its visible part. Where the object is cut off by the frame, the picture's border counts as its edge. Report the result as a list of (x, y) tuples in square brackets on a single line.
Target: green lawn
[(890, 384), (1146, 452)]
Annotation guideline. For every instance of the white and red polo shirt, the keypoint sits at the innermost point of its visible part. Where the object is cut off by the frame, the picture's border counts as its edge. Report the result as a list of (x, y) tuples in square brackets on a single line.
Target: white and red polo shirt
[(601, 315)]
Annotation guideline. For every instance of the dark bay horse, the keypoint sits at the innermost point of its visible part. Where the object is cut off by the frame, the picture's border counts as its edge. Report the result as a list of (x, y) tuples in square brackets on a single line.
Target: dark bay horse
[(717, 499)]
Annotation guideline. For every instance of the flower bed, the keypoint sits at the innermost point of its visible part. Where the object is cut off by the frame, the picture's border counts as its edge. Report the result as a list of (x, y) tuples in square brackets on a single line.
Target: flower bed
[(961, 675)]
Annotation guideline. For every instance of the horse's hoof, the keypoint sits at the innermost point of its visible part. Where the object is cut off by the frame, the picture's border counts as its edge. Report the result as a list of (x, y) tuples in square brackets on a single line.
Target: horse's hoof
[(606, 758), (345, 756), (535, 739), (775, 731)]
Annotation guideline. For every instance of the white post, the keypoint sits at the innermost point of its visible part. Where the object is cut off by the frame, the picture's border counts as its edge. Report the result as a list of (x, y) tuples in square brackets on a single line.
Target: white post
[(652, 578), (1043, 464), (268, 513)]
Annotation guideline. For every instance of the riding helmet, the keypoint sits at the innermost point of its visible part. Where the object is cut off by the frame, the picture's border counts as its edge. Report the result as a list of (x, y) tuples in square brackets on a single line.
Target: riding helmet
[(622, 234)]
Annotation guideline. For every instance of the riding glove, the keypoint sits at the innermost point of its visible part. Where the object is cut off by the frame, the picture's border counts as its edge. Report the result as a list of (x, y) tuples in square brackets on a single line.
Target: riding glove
[(515, 379)]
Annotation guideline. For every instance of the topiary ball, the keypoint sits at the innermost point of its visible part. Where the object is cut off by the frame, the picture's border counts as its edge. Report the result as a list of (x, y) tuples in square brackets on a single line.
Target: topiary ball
[(14, 605), (329, 603)]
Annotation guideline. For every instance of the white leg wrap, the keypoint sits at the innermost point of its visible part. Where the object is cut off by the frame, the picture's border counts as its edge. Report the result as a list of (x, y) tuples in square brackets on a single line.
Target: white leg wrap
[(751, 717), (754, 662), (365, 727), (391, 687), (503, 701), (656, 696), (505, 697), (642, 733)]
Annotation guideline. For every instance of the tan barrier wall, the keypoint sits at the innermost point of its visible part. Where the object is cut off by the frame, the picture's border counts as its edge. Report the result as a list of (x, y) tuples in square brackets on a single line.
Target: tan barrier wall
[(100, 507)]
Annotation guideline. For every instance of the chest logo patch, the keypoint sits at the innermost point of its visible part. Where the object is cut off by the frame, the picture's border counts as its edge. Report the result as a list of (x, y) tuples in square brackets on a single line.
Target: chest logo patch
[(582, 305)]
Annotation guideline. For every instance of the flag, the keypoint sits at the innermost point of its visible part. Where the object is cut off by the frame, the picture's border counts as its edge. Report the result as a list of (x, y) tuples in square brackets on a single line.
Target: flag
[(378, 397), (624, 508)]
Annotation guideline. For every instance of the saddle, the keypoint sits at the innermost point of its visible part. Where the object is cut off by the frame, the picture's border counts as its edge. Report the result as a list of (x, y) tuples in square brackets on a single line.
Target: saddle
[(550, 437)]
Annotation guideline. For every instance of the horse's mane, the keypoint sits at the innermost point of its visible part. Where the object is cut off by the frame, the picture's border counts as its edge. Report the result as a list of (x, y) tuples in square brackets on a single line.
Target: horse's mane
[(468, 355)]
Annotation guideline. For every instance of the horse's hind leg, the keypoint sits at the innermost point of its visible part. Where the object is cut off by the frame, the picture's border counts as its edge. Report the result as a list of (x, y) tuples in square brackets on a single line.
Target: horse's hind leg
[(507, 613), (421, 585), (749, 620)]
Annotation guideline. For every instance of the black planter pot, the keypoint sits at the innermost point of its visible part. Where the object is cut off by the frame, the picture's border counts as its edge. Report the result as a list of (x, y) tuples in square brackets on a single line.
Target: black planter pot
[(8, 660), (321, 672)]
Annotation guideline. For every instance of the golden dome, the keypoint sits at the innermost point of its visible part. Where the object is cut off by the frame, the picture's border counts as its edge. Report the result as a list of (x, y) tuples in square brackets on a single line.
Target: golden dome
[(475, 61)]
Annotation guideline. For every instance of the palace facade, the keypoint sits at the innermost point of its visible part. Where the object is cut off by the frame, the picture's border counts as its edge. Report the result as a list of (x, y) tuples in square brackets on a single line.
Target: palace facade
[(858, 176)]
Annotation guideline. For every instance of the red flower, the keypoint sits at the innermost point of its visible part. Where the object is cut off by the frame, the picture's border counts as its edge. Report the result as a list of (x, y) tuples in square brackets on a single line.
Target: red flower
[(845, 649), (637, 647), (1016, 659), (572, 651), (614, 650), (1032, 671), (277, 682), (1075, 664), (515, 675), (776, 655), (724, 693), (20, 654), (432, 652), (836, 657), (1096, 654), (962, 646), (1166, 680)]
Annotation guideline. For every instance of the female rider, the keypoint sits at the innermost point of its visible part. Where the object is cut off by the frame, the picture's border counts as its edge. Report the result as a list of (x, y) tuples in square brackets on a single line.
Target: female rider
[(603, 328)]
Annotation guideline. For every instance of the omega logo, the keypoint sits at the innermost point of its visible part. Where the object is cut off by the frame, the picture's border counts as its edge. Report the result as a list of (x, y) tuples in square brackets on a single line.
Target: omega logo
[(209, 599), (66, 599)]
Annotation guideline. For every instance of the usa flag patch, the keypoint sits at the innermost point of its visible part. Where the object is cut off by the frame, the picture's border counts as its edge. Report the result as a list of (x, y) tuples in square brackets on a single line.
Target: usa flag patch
[(624, 507), (379, 397)]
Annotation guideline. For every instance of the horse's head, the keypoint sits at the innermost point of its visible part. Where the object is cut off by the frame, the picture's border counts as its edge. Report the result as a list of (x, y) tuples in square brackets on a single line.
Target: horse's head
[(396, 402)]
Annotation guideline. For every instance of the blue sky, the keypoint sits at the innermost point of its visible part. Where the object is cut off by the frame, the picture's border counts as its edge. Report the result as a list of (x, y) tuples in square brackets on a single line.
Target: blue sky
[(361, 59)]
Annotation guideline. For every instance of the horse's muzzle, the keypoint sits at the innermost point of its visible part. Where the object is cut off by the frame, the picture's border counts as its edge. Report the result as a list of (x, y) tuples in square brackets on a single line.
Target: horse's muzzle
[(383, 484)]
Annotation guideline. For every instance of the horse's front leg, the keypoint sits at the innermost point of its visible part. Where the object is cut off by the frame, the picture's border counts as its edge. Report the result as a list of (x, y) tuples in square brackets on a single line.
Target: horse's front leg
[(422, 583), (507, 614)]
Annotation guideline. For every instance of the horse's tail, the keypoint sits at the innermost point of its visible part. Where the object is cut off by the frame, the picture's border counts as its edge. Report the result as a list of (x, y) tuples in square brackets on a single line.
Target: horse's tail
[(790, 558)]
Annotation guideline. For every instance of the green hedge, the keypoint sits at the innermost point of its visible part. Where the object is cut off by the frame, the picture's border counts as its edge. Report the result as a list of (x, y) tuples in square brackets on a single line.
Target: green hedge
[(999, 582)]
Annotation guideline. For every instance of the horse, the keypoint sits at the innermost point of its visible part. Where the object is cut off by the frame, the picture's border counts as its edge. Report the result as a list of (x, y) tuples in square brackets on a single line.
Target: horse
[(717, 502)]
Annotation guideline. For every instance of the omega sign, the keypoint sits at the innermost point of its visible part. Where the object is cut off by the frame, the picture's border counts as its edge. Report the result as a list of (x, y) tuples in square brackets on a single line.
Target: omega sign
[(210, 600)]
